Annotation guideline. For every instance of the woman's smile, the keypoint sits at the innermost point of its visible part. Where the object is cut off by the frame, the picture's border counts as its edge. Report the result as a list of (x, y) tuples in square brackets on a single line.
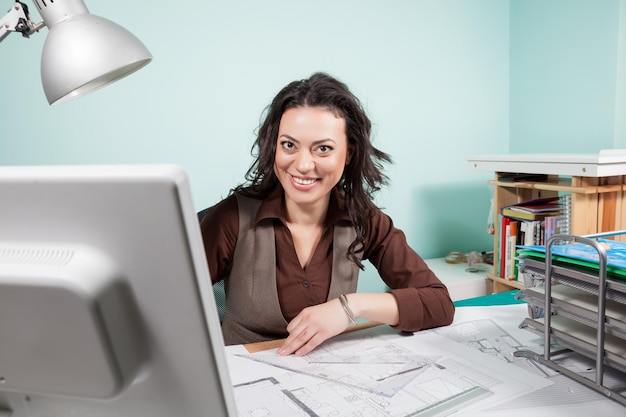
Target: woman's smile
[(306, 182)]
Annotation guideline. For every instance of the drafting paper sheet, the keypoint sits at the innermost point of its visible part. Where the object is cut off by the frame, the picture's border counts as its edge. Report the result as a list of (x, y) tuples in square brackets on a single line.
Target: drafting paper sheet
[(465, 369), (382, 370), (563, 397)]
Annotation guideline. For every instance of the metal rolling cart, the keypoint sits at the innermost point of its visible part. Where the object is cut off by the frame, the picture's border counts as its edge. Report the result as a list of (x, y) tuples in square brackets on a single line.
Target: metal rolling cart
[(579, 309)]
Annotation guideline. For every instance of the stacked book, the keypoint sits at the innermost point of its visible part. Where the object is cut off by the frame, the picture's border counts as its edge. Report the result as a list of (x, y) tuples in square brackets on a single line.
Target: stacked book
[(530, 222)]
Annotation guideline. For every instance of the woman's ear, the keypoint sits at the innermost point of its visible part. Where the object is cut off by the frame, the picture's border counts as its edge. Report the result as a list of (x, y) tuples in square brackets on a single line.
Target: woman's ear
[(349, 153)]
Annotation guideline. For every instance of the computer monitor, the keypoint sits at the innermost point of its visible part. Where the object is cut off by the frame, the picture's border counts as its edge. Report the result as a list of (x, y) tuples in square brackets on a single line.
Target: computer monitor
[(106, 307)]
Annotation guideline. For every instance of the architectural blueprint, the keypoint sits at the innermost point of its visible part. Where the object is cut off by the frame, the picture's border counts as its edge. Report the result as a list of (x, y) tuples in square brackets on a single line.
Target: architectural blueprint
[(487, 337), (296, 395), (383, 369), (466, 369), (380, 373)]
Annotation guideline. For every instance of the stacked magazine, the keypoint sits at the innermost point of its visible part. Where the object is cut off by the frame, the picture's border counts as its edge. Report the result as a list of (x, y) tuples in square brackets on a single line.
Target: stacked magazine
[(584, 255)]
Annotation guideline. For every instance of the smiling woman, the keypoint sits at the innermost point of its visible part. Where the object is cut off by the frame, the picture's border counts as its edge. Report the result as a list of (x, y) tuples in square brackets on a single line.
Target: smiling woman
[(290, 241), (311, 154)]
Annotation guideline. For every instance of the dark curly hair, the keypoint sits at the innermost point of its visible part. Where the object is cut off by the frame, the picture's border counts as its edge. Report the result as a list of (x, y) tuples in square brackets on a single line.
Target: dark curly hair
[(362, 177)]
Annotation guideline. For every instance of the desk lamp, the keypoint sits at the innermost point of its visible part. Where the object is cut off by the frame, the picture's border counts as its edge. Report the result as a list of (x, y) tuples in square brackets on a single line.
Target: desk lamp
[(82, 52)]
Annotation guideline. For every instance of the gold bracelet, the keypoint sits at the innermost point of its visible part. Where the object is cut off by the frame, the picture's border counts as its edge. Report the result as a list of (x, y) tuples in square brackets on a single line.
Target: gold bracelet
[(347, 309)]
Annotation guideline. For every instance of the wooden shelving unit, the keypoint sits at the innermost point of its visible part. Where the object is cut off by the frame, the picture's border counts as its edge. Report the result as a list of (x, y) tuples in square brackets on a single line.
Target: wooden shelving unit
[(596, 182)]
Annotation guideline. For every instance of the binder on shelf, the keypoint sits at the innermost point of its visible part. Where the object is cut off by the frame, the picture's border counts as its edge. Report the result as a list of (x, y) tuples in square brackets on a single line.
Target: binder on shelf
[(511, 244), (504, 230), (508, 241)]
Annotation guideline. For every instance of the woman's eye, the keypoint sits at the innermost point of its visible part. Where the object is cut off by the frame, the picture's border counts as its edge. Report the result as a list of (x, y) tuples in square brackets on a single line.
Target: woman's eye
[(324, 149), (288, 145)]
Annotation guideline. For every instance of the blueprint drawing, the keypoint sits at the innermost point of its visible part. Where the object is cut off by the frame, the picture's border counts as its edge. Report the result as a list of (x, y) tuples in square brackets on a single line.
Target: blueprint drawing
[(488, 338), (380, 373)]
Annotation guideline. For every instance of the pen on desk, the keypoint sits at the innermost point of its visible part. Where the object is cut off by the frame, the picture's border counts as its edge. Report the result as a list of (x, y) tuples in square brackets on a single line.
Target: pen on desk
[(407, 371)]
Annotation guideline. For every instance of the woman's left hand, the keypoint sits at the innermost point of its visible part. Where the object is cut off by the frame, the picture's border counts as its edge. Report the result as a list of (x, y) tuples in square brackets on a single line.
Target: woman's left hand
[(314, 325)]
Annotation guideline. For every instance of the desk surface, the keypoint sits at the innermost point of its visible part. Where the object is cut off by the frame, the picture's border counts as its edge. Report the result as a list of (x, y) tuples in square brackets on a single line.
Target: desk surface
[(497, 299), (481, 338)]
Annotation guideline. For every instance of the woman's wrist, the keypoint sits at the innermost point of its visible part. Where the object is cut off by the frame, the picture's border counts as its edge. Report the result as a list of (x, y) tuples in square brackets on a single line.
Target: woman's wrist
[(345, 304), (381, 307)]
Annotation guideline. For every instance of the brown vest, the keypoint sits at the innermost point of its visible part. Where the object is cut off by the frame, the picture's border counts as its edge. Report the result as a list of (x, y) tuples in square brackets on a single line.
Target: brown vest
[(252, 309)]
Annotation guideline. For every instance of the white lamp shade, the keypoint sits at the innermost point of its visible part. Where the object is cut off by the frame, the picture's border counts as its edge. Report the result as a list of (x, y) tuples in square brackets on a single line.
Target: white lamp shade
[(84, 53)]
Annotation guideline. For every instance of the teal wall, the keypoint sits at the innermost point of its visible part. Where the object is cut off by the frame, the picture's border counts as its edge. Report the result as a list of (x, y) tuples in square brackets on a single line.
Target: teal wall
[(620, 84), (441, 79), (564, 75)]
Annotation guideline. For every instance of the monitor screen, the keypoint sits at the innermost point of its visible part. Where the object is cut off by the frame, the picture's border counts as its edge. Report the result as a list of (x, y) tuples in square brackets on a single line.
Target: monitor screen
[(106, 307)]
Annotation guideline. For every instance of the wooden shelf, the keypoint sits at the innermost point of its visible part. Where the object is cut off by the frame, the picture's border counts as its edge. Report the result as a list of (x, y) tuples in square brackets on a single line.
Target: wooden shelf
[(597, 184), (501, 284), (560, 186)]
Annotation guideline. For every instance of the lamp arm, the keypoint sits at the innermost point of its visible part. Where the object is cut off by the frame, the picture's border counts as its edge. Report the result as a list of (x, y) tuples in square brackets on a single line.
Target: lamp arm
[(18, 20)]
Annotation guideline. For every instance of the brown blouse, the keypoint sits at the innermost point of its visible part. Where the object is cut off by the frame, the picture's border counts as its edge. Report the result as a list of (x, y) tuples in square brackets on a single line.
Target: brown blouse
[(423, 300)]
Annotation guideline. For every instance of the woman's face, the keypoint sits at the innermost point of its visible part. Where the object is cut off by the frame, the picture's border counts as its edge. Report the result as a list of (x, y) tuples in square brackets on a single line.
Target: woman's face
[(311, 153)]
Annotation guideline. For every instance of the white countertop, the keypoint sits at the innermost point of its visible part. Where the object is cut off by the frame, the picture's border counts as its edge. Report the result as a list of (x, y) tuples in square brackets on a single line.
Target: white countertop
[(608, 162), (461, 283)]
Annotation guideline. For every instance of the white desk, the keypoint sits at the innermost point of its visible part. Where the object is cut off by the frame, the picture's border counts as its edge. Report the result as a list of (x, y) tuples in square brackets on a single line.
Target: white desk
[(461, 283)]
